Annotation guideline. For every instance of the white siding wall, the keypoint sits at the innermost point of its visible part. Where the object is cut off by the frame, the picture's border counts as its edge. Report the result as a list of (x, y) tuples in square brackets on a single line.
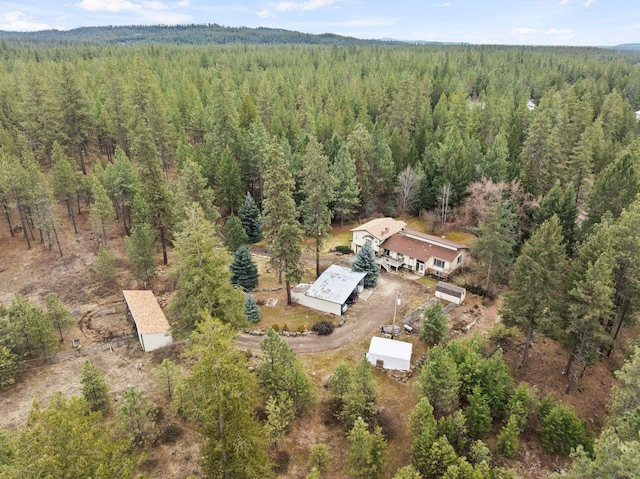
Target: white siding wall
[(317, 304), (151, 342), (448, 297), (389, 362)]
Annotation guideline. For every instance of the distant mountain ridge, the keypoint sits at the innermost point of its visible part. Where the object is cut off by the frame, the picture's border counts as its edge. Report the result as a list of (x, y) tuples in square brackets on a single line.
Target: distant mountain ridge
[(203, 34), (628, 46)]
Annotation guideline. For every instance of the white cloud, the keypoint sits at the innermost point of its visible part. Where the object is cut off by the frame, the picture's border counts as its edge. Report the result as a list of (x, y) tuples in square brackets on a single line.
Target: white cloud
[(304, 6), (266, 13), (154, 5), (564, 2), (446, 4), (183, 3), (19, 22), (107, 5), (589, 2)]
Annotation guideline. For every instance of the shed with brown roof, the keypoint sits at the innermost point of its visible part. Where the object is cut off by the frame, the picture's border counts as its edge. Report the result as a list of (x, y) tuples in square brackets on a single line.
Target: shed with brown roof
[(153, 328), (450, 292)]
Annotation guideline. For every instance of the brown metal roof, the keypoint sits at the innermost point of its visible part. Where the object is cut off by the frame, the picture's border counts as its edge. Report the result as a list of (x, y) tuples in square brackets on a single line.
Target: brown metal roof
[(381, 228), (418, 249), (146, 312)]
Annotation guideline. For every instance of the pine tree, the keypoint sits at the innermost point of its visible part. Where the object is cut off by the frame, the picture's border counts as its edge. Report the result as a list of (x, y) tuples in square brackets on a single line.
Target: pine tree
[(202, 271), (346, 190), (64, 439), (280, 371), (249, 215), (141, 249), (536, 288), (244, 271), (105, 263), (167, 375), (495, 247), (228, 181), (57, 313), (281, 412), (560, 203), (367, 451), (9, 368), (439, 381), (235, 235), (365, 262), (590, 305), (478, 414), (434, 327), (507, 443), (283, 234), (220, 395), (317, 187), (407, 472), (423, 427), (137, 416), (251, 309), (94, 388), (154, 191), (359, 399), (102, 212)]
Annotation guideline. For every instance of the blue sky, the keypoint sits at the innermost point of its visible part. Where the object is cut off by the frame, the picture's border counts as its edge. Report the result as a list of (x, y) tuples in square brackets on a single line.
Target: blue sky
[(521, 22)]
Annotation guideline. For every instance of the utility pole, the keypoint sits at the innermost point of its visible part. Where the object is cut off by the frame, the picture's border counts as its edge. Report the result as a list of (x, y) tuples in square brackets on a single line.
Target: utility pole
[(395, 310)]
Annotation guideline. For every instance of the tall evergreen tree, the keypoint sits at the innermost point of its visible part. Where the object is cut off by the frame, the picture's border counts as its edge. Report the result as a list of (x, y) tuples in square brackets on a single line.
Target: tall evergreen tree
[(282, 232), (202, 270), (65, 439), (65, 181), (228, 181), (153, 185), (439, 381), (102, 212), (57, 313), (234, 234), (244, 271), (280, 371), (249, 215), (220, 394), (367, 451), (346, 190), (560, 203), (495, 247), (536, 289), (317, 187), (141, 252), (365, 262)]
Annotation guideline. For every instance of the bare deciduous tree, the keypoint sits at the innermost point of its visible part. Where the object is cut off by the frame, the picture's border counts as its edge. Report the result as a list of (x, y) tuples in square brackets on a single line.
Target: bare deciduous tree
[(407, 189)]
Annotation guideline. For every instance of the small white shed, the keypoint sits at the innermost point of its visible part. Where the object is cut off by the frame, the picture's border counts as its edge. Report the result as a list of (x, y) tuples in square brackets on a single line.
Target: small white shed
[(331, 291), (390, 353), (153, 328), (449, 292)]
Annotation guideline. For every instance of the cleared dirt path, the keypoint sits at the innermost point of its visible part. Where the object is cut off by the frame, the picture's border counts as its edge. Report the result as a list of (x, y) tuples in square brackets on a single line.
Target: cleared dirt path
[(362, 319)]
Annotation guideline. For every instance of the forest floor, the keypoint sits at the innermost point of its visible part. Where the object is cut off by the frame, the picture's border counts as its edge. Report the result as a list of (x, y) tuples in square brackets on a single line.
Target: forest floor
[(107, 339)]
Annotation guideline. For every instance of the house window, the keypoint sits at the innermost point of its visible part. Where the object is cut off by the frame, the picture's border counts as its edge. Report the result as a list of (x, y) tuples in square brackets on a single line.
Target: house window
[(459, 259), (438, 263), (386, 252)]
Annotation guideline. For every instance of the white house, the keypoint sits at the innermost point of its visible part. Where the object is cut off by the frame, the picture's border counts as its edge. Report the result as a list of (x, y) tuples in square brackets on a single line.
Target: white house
[(450, 292), (423, 254), (153, 328), (331, 292), (390, 353), (375, 232)]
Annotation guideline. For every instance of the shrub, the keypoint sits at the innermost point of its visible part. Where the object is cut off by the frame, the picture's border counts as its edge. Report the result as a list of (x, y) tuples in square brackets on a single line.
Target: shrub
[(343, 249), (275, 327), (322, 328), (563, 431), (508, 438), (319, 458), (302, 328), (285, 327)]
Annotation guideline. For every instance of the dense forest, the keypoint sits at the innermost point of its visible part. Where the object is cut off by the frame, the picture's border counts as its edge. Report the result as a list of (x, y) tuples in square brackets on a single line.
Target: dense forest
[(196, 34), (534, 150)]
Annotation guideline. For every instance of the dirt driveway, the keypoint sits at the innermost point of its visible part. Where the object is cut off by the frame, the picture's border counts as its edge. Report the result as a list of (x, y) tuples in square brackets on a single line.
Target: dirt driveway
[(362, 319)]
